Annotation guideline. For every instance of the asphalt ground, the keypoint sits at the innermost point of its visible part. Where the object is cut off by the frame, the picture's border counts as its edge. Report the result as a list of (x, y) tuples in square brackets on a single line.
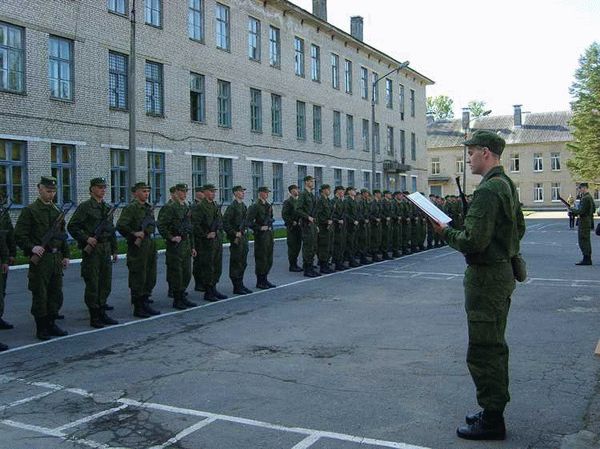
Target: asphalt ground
[(371, 357)]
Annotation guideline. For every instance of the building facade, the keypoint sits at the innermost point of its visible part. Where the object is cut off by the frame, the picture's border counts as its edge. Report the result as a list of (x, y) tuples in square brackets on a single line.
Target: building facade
[(230, 92), (535, 155)]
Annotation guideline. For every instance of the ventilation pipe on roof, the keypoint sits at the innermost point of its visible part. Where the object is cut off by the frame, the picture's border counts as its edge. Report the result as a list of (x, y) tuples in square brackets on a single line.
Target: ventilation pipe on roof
[(320, 9), (356, 27), (518, 118)]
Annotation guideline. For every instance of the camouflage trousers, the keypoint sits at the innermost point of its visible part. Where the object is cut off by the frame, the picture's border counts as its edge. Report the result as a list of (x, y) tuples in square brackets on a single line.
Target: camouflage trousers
[(263, 252), (179, 265), (238, 257), (376, 233), (45, 284), (339, 243), (141, 262), (309, 243), (96, 271), (583, 237), (294, 243), (324, 243), (209, 261)]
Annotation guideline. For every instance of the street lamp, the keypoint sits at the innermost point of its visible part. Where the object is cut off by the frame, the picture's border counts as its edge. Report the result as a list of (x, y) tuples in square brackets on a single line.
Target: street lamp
[(374, 86), (466, 121)]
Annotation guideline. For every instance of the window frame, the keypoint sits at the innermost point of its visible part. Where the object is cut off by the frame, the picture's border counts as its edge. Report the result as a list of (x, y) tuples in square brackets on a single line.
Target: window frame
[(257, 37), (150, 8), (276, 115), (57, 169), (538, 162), (117, 78), (364, 83), (348, 76), (200, 94), (157, 173), (9, 164), (257, 176), (349, 132), (515, 163), (555, 164), (274, 47), (60, 62), (315, 63), (225, 180), (119, 175), (223, 27), (389, 93), (317, 124), (256, 119), (335, 71), (300, 120), (390, 140), (277, 195), (337, 129), (365, 135), (196, 12), (17, 52), (299, 57), (156, 83), (435, 165), (538, 187), (199, 171), (224, 112), (125, 12)]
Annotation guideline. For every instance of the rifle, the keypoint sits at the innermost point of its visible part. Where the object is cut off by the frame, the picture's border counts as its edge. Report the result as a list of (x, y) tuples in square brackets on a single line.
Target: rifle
[(217, 223), (242, 227), (148, 220), (565, 202), (463, 198), (53, 231), (185, 225), (102, 226), (4, 211)]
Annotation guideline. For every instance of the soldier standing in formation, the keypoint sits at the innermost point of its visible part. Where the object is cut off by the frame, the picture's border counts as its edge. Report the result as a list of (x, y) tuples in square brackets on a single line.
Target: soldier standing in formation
[(94, 230), (8, 253), (375, 216), (174, 225), (4, 268), (386, 225), (339, 228), (137, 225), (198, 197), (352, 225), (260, 219), (207, 223), (324, 220), (235, 224), (306, 211), (49, 256), (585, 212), (291, 219), (364, 219)]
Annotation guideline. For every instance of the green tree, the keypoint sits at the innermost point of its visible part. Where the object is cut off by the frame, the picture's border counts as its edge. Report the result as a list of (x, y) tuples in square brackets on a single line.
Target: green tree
[(477, 108), (585, 90), (441, 107)]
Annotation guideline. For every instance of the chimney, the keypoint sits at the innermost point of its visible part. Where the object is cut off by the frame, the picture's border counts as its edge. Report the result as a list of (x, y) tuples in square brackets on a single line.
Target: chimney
[(320, 9), (466, 119), (356, 27), (518, 116)]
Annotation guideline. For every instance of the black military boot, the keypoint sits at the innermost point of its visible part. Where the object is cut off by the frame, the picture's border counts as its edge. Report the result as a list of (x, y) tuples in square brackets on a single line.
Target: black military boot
[(246, 289), (178, 301), (108, 307), (309, 272), (209, 294), (170, 293), (147, 307), (294, 268), (56, 331), (218, 294), (41, 328), (325, 268), (199, 288), (339, 266), (186, 301), (484, 426), (270, 284), (95, 320), (3, 347), (238, 287), (106, 319), (4, 325), (139, 310), (261, 282), (587, 260)]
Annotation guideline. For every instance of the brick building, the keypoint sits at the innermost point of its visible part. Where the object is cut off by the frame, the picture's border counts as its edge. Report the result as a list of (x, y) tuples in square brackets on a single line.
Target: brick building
[(231, 92)]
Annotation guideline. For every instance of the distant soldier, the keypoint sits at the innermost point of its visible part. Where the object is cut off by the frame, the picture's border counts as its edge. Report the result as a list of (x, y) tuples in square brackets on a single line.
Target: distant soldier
[(92, 227), (175, 226), (339, 228), (352, 225), (4, 268), (207, 223), (585, 212), (306, 211), (396, 225), (364, 236), (260, 218), (137, 225), (323, 215), (235, 224), (46, 276), (376, 212), (386, 225), (406, 223), (7, 234), (291, 219), (198, 197)]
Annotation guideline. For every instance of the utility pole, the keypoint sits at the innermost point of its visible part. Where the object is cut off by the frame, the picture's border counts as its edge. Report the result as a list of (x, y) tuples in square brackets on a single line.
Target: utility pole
[(131, 96)]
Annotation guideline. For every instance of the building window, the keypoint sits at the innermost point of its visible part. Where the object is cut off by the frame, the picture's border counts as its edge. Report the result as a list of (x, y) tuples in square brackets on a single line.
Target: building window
[(12, 173), (118, 6), (224, 103), (12, 59), (367, 180), (195, 20), (390, 140), (403, 185), (318, 177), (378, 180), (376, 138), (198, 171), (538, 192), (225, 180), (222, 27), (276, 125), (317, 124), (374, 78), (254, 39), (197, 98), (153, 12), (301, 120), (62, 163), (302, 173), (401, 101), (257, 178), (460, 165), (365, 135), (435, 165), (555, 191), (349, 132), (315, 63), (60, 68), (337, 129), (413, 180), (337, 176), (335, 71), (117, 80), (277, 183), (412, 103), (514, 163), (156, 177), (348, 76), (256, 110), (402, 146), (299, 56), (119, 175), (389, 94), (350, 178), (364, 83), (154, 88), (555, 161), (274, 47), (538, 162), (413, 146)]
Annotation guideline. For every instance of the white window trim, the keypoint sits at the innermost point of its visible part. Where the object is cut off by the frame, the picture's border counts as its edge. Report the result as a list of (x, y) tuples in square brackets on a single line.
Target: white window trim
[(257, 159), (310, 165), (215, 155)]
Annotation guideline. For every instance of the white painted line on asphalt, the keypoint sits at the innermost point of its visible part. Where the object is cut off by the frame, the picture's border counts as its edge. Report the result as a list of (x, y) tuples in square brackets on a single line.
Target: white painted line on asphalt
[(32, 428), (212, 304), (308, 441), (26, 400), (87, 419), (185, 432)]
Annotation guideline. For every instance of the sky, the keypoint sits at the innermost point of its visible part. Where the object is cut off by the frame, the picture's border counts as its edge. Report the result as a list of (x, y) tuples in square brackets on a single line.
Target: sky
[(502, 52)]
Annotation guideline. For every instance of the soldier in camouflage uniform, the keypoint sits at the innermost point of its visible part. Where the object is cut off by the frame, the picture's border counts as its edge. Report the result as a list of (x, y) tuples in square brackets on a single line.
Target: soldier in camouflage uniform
[(7, 232), (585, 212), (339, 228), (397, 224), (45, 276), (325, 224), (174, 225), (235, 225), (494, 227), (207, 224), (386, 225), (137, 225), (198, 197), (291, 219), (3, 268), (351, 252), (306, 210), (94, 232), (376, 215), (260, 218), (364, 236)]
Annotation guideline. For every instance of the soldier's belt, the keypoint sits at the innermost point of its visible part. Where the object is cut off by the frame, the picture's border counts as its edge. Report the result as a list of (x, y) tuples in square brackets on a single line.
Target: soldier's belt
[(473, 259)]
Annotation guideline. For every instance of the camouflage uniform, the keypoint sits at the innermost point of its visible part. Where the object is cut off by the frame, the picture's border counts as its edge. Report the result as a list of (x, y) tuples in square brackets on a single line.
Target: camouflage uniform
[(260, 214), (291, 219), (339, 232), (234, 221), (323, 218), (585, 212), (306, 207)]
